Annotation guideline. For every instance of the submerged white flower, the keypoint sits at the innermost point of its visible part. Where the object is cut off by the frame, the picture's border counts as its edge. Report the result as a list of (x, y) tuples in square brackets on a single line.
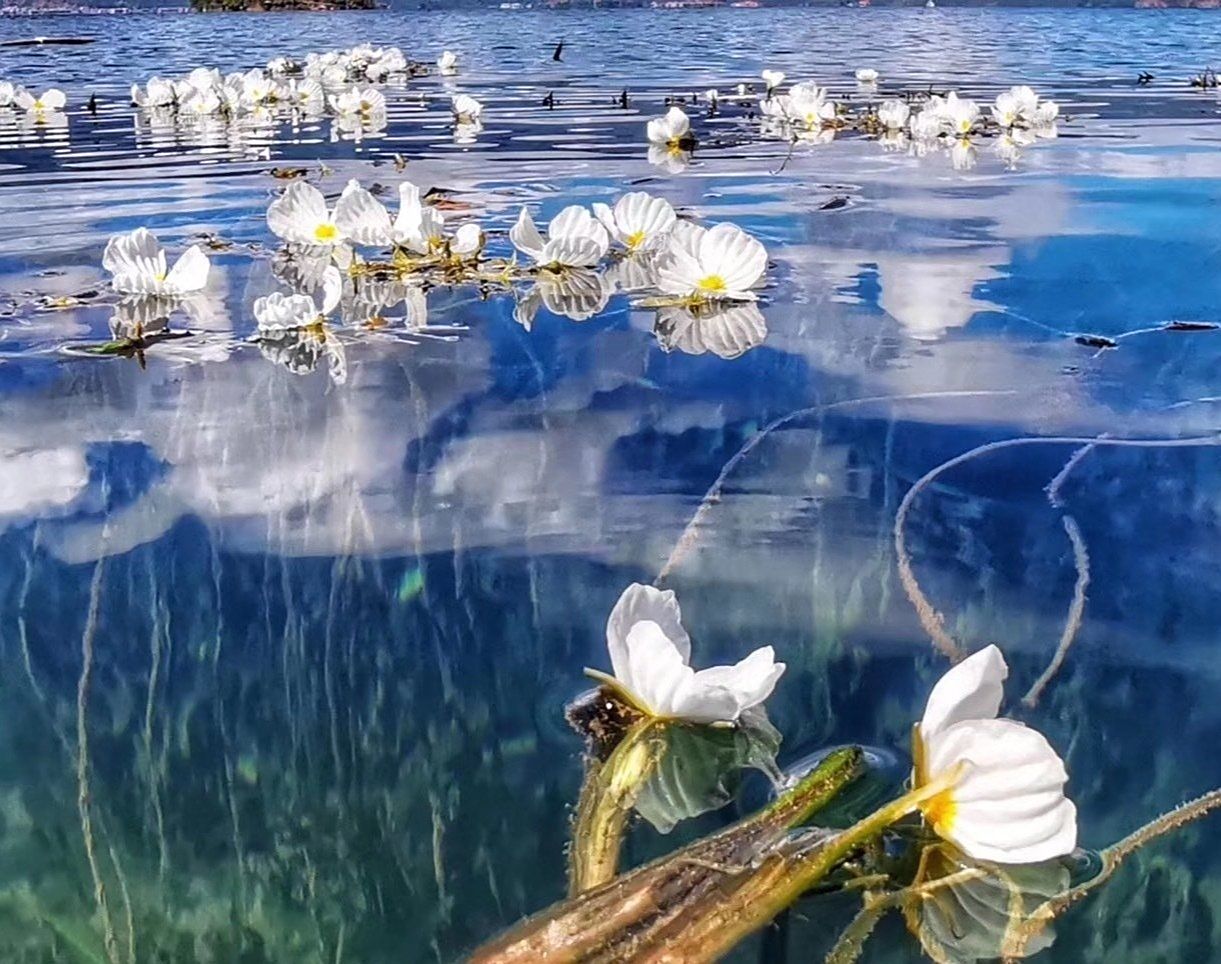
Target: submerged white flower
[(49, 100), (772, 79), (672, 130), (710, 264), (300, 216), (1006, 801), (447, 63), (867, 75), (137, 264), (466, 109), (893, 114), (574, 239), (638, 220), (280, 312), (418, 227), (650, 653)]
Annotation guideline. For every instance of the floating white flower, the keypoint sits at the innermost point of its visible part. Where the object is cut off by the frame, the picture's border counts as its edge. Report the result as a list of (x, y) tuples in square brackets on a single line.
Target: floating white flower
[(772, 79), (722, 263), (960, 115), (158, 92), (574, 239), (867, 75), (893, 114), (466, 109), (808, 105), (137, 264), (1046, 113), (305, 95), (926, 125), (712, 96), (447, 63), (650, 654), (638, 220), (49, 100), (7, 93), (1006, 801), (359, 102), (280, 312), (418, 228), (300, 216), (672, 130)]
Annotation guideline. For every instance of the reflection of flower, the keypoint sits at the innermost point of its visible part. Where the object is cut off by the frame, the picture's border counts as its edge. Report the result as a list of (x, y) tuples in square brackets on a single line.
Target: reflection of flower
[(575, 293), (726, 330), (721, 263), (672, 160), (650, 653), (300, 349), (1005, 802), (574, 239), (137, 316), (137, 263), (963, 912)]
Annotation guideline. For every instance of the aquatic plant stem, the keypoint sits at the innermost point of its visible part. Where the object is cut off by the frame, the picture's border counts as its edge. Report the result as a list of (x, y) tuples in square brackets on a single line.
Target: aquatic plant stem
[(930, 619), (746, 903), (1076, 613), (688, 538), (608, 795), (84, 797)]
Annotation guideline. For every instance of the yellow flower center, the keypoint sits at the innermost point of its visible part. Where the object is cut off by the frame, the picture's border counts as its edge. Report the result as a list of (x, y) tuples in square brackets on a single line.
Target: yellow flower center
[(326, 232), (635, 239), (940, 812), (712, 284)]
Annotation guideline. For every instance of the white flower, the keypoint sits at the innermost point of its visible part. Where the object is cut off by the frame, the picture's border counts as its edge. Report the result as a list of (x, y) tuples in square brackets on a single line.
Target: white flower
[(1025, 99), (712, 96), (363, 219), (359, 102), (638, 221), (156, 93), (867, 75), (7, 93), (807, 105), (305, 95), (137, 264), (447, 63), (466, 109), (926, 125), (281, 312), (300, 216), (672, 130), (710, 264), (1007, 110), (574, 239), (960, 115), (199, 103), (1006, 803), (1046, 113), (50, 100), (893, 114), (650, 653), (772, 79)]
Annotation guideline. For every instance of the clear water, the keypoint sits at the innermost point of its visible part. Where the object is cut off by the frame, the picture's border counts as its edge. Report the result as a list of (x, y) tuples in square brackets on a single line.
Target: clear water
[(336, 624)]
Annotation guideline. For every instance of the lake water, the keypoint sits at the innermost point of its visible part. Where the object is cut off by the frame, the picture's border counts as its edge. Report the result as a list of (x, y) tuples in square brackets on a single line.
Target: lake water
[(336, 615)]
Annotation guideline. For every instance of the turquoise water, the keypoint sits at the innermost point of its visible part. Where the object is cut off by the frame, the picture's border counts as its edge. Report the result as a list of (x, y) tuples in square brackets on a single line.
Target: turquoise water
[(337, 619)]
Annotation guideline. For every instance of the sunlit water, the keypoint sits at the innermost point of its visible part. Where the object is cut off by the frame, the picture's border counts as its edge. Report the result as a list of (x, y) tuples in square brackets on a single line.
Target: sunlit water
[(337, 619)]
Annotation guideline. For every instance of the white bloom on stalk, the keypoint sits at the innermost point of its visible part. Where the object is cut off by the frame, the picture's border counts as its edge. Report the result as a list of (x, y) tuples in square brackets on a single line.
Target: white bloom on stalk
[(772, 79), (673, 130), (574, 239), (44, 103), (447, 63), (419, 227), (280, 312), (867, 75), (1006, 801), (722, 263), (893, 114), (466, 109), (359, 101), (300, 216), (960, 115), (808, 106), (650, 654), (137, 264), (638, 220)]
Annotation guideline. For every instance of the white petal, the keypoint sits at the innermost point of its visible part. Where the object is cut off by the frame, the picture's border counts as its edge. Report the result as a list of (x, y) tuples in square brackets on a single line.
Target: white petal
[(278, 312), (972, 690), (190, 272), (468, 240), (637, 604), (654, 670), (751, 680), (297, 214), (362, 217), (732, 254), (525, 236), (332, 289)]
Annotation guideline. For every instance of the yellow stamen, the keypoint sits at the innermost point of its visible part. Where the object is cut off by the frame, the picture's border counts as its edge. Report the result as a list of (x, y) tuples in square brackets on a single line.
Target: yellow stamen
[(940, 812), (713, 283), (326, 232), (635, 239)]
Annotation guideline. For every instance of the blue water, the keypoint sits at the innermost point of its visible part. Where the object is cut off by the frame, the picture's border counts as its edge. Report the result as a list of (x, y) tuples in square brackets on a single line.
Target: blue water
[(337, 620)]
